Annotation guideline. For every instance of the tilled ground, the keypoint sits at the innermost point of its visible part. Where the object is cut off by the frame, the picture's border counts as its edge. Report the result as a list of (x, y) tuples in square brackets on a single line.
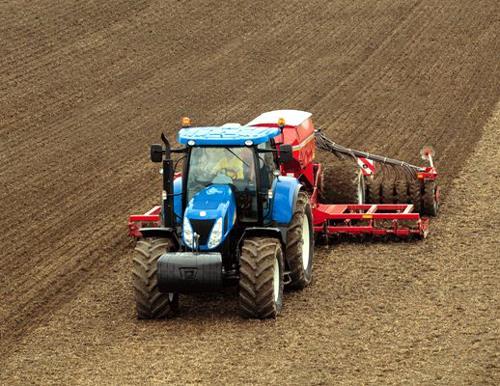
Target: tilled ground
[(85, 87)]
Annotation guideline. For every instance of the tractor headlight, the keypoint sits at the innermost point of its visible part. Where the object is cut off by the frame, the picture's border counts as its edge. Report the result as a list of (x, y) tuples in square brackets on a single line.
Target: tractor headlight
[(216, 235), (188, 232)]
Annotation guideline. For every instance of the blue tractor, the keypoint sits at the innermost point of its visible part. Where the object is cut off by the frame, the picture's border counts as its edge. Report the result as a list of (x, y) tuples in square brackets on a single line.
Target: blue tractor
[(231, 217)]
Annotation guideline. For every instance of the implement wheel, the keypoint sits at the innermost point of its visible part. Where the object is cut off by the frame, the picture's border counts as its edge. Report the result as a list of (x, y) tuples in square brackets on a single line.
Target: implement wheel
[(415, 193), (261, 278), (300, 244), (388, 187), (342, 182), (430, 203), (150, 302), (401, 186)]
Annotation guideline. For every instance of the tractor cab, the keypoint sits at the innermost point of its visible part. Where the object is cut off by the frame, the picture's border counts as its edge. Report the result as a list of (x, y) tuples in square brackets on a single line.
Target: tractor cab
[(227, 178)]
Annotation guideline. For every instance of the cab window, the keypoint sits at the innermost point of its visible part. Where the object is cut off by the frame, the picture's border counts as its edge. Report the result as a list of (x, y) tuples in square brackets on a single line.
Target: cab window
[(225, 165)]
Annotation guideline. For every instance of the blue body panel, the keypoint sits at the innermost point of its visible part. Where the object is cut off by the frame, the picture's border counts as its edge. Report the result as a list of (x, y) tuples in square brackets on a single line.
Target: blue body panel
[(178, 200), (226, 136), (212, 203), (285, 194)]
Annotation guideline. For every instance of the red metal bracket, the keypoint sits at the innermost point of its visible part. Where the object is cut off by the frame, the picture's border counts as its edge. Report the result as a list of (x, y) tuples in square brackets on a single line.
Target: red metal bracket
[(429, 174), (138, 221)]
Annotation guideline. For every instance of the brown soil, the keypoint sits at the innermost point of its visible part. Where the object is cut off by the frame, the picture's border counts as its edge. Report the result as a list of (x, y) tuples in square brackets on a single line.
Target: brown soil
[(86, 86)]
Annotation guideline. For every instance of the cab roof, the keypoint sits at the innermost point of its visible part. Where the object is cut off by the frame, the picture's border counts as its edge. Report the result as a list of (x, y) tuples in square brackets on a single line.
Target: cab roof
[(226, 135)]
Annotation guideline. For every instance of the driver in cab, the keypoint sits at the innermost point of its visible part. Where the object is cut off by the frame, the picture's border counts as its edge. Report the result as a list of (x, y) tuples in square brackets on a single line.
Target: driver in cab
[(231, 167), (236, 167)]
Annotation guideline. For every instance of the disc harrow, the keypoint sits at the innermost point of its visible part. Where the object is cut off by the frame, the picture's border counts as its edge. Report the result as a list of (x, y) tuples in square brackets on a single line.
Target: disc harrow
[(391, 181)]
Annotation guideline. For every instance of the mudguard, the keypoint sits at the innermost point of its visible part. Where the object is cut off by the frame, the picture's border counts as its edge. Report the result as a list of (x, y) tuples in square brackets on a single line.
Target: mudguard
[(167, 233), (286, 190), (279, 233)]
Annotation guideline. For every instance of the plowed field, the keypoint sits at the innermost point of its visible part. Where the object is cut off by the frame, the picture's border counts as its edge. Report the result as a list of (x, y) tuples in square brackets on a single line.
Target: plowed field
[(85, 87)]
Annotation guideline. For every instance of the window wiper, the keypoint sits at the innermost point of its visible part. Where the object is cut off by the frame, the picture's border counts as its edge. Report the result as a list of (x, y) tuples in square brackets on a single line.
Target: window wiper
[(233, 153)]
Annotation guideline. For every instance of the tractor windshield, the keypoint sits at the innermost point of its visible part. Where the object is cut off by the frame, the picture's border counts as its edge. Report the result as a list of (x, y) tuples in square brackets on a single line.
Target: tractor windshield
[(225, 165)]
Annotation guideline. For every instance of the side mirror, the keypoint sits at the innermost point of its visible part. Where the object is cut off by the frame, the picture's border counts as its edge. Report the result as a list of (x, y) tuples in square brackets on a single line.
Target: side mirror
[(286, 154), (156, 153)]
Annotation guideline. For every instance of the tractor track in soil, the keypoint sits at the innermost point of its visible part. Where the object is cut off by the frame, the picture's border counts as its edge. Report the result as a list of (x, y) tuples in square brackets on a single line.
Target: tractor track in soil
[(86, 86)]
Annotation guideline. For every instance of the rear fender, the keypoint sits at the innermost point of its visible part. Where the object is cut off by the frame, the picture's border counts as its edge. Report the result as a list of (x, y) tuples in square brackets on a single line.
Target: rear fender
[(286, 191), (274, 232)]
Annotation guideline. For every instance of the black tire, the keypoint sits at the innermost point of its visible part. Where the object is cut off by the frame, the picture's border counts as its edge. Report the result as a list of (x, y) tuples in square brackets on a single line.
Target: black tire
[(401, 187), (388, 187), (340, 183), (415, 193), (260, 256), (150, 302), (300, 276), (430, 204)]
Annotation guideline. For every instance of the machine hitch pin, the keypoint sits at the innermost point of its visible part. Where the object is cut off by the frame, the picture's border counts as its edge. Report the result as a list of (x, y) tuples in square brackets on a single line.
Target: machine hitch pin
[(196, 244)]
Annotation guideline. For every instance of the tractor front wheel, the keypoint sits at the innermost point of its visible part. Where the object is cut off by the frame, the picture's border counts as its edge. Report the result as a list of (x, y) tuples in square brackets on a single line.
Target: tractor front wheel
[(150, 302), (300, 244), (261, 278)]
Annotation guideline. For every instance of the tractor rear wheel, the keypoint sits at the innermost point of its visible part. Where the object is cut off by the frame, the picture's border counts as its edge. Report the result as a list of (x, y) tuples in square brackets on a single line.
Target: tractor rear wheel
[(150, 302), (261, 278), (300, 244)]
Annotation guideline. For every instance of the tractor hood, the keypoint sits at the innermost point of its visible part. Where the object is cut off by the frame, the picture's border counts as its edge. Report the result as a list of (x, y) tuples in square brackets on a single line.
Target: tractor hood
[(210, 214)]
